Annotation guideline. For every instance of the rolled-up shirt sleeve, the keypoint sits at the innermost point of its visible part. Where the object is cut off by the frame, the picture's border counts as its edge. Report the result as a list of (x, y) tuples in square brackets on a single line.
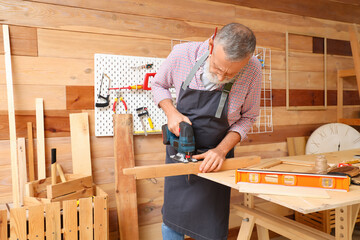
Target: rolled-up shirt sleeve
[(163, 79), (251, 107)]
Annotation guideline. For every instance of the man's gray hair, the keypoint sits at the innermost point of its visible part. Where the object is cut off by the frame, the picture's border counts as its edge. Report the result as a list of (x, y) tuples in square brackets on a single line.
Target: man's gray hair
[(237, 40)]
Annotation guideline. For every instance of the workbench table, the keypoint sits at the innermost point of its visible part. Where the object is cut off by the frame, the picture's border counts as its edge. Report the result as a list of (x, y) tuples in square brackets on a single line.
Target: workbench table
[(346, 205)]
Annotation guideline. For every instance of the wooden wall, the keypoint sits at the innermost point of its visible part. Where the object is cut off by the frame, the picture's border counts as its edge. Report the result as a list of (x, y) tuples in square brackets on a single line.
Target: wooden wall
[(53, 45)]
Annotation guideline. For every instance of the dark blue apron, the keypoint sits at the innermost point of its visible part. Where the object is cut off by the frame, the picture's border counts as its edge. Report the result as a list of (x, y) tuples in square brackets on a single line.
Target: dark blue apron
[(193, 205)]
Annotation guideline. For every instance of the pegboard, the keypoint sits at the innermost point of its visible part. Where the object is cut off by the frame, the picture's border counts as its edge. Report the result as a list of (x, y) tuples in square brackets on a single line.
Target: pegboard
[(119, 69)]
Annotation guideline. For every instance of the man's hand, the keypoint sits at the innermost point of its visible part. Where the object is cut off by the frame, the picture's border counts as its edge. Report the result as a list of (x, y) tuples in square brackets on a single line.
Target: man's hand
[(213, 160), (173, 115)]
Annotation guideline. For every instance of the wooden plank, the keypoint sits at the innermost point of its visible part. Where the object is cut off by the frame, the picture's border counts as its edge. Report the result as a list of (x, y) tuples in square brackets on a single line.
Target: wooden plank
[(184, 169), (18, 223), (53, 225), (80, 143), (70, 229), (54, 191), (158, 8), (53, 96), (3, 224), (22, 168), (263, 233), (281, 225), (36, 222), (334, 10), (335, 47), (23, 41), (340, 98), (80, 97), (296, 146), (343, 223), (86, 219), (31, 14), (11, 114), (83, 193), (355, 48), (125, 186), (50, 71), (61, 172), (247, 226), (351, 122), (30, 152), (40, 139), (346, 73), (101, 218)]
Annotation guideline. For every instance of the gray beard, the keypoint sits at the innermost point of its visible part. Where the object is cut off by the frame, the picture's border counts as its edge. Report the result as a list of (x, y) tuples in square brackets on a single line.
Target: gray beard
[(212, 77)]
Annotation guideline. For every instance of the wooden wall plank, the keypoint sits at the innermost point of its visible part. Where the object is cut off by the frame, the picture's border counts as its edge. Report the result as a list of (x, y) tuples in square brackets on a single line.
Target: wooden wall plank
[(84, 45), (70, 220), (23, 41), (101, 218), (53, 96), (85, 20), (50, 71), (3, 224), (53, 225), (36, 222), (159, 8), (79, 97), (18, 223), (336, 47), (86, 219), (80, 144), (334, 10), (262, 20)]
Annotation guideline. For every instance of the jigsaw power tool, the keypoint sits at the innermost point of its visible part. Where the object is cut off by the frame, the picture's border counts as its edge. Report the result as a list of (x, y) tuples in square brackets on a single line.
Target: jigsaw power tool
[(184, 144)]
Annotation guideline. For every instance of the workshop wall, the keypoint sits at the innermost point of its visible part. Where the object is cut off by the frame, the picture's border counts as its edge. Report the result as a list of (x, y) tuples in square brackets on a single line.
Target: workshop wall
[(53, 44)]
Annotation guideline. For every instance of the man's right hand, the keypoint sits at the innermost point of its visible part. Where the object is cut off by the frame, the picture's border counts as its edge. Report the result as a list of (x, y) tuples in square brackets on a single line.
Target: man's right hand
[(173, 115)]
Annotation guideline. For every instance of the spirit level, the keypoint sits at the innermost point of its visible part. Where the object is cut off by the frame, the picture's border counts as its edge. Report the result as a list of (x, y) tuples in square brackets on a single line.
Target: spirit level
[(330, 182)]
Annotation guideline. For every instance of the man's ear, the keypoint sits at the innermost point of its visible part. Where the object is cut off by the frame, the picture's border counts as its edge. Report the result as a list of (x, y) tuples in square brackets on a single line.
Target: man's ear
[(211, 45)]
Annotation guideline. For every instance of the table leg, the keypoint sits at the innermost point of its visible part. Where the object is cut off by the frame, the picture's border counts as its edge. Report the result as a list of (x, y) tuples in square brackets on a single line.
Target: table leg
[(246, 228), (345, 218), (263, 233)]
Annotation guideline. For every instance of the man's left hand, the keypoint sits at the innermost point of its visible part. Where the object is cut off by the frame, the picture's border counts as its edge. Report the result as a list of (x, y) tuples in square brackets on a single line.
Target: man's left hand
[(213, 160)]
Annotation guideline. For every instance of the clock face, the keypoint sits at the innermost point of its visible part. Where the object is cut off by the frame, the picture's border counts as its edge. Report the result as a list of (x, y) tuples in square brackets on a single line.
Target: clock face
[(333, 137)]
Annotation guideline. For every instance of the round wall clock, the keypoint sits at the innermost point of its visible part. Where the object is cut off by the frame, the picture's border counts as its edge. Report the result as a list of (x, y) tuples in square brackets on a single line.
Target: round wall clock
[(333, 137)]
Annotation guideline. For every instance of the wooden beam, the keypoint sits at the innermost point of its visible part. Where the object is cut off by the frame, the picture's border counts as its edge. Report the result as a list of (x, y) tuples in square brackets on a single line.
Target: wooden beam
[(57, 190), (125, 186), (22, 168), (354, 41), (80, 143), (11, 113), (282, 225), (165, 170), (40, 138), (30, 151), (346, 73)]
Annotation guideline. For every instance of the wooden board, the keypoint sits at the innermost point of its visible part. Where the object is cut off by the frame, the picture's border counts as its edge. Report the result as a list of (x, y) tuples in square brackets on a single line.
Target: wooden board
[(40, 139), (355, 49), (70, 228), (53, 225), (86, 219), (18, 223), (3, 224), (22, 167), (11, 114), (101, 218), (80, 144), (125, 186), (57, 190), (189, 168), (36, 222), (80, 97), (23, 41), (30, 151)]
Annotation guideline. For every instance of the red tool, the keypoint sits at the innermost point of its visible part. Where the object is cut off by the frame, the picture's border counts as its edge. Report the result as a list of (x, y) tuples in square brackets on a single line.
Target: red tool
[(116, 100), (144, 86), (213, 39)]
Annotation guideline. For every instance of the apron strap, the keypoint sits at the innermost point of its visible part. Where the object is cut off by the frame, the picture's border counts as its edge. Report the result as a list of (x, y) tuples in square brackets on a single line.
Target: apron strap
[(224, 95), (194, 70)]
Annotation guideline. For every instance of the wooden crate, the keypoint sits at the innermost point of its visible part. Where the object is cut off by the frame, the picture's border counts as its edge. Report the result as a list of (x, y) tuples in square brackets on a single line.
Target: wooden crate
[(86, 218), (322, 220), (42, 191)]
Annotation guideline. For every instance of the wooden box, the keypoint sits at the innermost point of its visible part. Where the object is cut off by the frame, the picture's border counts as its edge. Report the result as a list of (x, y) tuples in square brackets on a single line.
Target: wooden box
[(87, 218), (42, 191)]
